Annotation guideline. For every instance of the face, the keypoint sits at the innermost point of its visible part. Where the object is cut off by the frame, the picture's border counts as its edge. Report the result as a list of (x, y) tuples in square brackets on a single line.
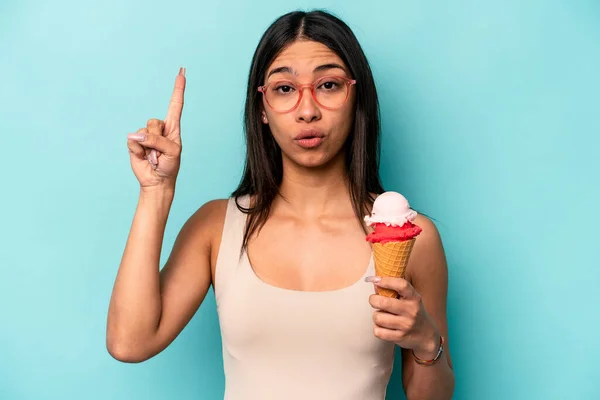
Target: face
[(311, 135)]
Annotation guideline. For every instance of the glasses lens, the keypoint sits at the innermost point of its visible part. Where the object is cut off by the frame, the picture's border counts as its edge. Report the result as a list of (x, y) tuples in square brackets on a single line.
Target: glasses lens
[(331, 92), (282, 95)]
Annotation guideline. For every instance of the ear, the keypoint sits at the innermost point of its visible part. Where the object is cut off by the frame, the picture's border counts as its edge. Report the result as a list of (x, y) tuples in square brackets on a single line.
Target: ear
[(264, 117)]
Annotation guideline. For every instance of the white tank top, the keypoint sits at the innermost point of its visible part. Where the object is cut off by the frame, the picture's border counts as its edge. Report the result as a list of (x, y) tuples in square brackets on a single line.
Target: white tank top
[(288, 344)]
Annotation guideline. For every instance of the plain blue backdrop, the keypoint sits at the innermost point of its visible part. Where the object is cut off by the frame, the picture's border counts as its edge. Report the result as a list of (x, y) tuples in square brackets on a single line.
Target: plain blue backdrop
[(490, 126)]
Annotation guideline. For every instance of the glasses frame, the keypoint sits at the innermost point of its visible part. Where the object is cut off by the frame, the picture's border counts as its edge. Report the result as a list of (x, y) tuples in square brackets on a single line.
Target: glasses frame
[(312, 87)]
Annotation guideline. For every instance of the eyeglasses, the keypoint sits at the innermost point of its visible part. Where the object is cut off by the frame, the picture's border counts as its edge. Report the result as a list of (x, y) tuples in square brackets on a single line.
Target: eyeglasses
[(330, 92)]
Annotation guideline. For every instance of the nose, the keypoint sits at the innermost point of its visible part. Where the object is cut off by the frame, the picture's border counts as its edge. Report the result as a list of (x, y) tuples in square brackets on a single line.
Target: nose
[(308, 109)]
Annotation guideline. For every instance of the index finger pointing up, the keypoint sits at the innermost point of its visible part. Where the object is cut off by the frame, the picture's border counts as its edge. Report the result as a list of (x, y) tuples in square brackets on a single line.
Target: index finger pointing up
[(176, 104)]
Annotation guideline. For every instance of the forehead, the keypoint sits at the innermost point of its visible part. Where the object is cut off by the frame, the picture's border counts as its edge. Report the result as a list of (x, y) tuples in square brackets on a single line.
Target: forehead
[(303, 56)]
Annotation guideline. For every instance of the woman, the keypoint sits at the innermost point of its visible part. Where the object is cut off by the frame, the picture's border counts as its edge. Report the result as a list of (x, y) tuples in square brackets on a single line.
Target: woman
[(286, 254)]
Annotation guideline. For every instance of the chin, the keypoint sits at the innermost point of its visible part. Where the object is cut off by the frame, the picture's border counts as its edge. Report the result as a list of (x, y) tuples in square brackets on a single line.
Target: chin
[(313, 160)]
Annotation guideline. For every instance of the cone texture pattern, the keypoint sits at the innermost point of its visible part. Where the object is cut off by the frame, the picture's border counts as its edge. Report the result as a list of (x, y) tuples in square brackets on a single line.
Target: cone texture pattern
[(391, 260)]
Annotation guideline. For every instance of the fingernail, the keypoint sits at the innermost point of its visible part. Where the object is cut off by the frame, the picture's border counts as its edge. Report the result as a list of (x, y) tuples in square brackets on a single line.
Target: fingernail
[(373, 279), (137, 136), (182, 71), (149, 158), (154, 157)]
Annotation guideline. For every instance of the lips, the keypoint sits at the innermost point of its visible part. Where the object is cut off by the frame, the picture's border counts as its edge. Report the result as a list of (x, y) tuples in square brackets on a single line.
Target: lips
[(309, 139), (310, 134)]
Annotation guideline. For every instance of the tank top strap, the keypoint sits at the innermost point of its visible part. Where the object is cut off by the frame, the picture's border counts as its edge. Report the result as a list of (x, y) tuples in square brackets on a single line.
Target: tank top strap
[(228, 259)]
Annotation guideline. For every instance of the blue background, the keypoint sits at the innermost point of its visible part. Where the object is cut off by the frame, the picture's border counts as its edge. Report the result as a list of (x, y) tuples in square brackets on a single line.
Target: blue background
[(489, 126)]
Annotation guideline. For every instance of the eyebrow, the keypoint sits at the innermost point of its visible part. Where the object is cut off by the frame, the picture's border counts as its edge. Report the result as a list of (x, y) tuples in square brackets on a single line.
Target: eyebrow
[(320, 68)]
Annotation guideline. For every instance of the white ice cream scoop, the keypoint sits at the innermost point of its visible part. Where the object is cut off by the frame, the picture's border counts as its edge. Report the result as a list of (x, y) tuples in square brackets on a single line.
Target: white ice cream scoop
[(392, 209)]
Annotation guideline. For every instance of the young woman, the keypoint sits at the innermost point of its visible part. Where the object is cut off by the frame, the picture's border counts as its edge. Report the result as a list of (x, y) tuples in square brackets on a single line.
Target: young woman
[(287, 254)]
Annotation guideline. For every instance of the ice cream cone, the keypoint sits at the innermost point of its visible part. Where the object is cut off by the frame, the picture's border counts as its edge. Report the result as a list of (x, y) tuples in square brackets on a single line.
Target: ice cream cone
[(391, 260)]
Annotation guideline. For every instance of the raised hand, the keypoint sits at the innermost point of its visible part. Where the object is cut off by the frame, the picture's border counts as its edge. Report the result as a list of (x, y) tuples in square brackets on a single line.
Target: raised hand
[(155, 151)]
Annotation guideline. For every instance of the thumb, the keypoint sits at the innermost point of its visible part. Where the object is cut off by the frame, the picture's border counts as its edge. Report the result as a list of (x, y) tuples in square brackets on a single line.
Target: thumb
[(400, 285)]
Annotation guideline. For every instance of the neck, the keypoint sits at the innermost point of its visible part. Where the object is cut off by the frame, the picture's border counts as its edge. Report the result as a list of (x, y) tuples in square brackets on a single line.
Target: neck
[(314, 192)]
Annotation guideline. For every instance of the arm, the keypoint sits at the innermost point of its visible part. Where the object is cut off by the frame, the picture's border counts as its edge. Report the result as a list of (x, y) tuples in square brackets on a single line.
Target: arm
[(149, 308), (427, 271)]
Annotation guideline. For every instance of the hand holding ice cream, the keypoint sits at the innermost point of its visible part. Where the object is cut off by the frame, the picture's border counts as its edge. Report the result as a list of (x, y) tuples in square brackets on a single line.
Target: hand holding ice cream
[(393, 240)]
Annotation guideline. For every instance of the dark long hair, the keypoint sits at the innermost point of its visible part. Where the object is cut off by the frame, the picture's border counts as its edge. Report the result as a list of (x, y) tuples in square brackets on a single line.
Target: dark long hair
[(263, 170)]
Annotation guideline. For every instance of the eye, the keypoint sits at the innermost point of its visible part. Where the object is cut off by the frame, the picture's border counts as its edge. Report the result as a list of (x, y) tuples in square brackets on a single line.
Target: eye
[(329, 85), (283, 88)]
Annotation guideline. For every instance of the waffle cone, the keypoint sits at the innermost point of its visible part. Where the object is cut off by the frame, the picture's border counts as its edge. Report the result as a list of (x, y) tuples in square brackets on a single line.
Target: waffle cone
[(391, 260)]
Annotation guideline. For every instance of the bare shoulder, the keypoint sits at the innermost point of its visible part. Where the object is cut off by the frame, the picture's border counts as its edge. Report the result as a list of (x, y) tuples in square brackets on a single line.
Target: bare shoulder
[(428, 255), (196, 237), (209, 214), (206, 224), (192, 257)]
